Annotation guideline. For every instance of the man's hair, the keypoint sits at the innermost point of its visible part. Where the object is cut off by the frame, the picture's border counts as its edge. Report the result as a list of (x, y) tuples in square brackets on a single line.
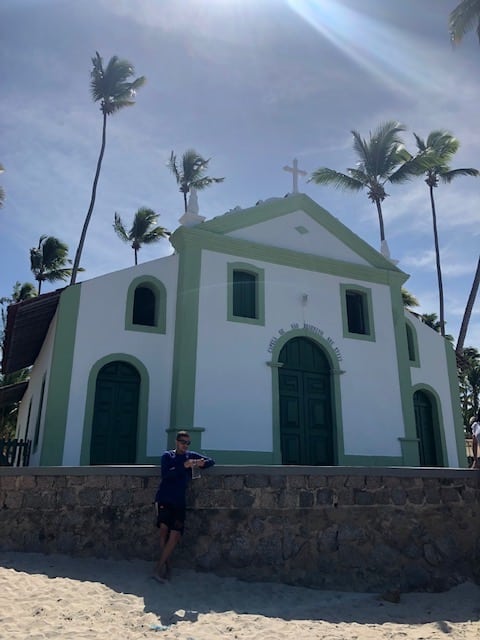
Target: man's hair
[(182, 434)]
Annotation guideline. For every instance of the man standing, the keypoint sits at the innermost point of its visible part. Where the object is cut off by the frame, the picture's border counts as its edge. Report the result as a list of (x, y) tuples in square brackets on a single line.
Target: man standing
[(177, 467)]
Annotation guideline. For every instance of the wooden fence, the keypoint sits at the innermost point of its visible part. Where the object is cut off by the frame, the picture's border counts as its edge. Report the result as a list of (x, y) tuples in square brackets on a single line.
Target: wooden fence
[(15, 453)]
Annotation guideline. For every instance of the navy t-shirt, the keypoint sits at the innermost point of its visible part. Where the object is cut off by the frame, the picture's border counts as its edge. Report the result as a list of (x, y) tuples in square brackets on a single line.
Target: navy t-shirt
[(175, 477)]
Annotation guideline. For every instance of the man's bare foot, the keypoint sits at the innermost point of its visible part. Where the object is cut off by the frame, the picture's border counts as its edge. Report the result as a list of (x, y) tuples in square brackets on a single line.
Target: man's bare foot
[(158, 578)]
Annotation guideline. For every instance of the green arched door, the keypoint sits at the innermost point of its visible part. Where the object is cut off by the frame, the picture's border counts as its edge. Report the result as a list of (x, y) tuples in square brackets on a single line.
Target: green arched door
[(429, 447), (306, 422), (115, 415)]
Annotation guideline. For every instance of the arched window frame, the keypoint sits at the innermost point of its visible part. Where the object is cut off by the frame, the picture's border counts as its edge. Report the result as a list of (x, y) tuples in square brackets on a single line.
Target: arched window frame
[(160, 293), (367, 307), (412, 344), (259, 293)]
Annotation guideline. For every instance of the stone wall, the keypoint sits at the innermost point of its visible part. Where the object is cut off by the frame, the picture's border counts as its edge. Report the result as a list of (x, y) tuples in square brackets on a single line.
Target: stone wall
[(335, 528)]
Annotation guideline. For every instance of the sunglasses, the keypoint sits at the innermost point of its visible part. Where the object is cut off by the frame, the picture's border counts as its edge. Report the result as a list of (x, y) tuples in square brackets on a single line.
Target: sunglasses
[(185, 442)]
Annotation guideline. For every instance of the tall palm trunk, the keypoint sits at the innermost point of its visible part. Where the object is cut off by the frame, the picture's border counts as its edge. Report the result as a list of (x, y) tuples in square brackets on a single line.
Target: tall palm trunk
[(39, 285), (78, 254), (380, 220), (185, 201), (468, 310), (437, 258)]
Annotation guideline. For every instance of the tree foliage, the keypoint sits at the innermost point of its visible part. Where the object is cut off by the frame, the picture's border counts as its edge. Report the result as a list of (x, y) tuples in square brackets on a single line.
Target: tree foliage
[(190, 172), (112, 88), (142, 231)]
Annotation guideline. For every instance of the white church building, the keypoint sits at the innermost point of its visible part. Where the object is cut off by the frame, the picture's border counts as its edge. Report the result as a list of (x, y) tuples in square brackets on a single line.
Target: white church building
[(273, 334)]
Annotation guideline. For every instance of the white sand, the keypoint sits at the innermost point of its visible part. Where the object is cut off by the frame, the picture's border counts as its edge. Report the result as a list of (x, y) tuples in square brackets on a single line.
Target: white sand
[(46, 597)]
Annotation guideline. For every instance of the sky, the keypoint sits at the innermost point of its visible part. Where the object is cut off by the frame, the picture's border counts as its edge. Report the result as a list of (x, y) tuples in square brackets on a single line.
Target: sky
[(251, 84)]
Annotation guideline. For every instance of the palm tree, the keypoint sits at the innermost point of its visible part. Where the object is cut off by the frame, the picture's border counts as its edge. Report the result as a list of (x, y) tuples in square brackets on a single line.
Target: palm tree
[(111, 88), (381, 159), (191, 173), (48, 261), (2, 192), (432, 321), (464, 18), (439, 149), (143, 229), (409, 300)]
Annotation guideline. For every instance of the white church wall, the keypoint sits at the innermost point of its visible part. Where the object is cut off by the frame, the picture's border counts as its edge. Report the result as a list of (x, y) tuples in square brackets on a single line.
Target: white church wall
[(433, 372), (39, 372), (371, 403), (101, 332), (283, 232)]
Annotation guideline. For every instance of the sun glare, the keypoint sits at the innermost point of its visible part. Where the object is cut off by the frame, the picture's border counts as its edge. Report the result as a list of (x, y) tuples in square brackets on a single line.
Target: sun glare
[(386, 52)]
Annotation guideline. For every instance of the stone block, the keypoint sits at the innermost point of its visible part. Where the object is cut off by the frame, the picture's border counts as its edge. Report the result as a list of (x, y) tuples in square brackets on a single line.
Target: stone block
[(356, 482), (278, 482), (26, 482), (432, 495), (399, 496), (120, 497), (316, 482), (449, 494), (324, 496), (88, 496), (362, 497), (373, 482), (13, 500), (256, 481), (296, 482), (287, 499), (8, 482), (232, 483), (416, 495), (336, 482), (243, 499), (305, 499)]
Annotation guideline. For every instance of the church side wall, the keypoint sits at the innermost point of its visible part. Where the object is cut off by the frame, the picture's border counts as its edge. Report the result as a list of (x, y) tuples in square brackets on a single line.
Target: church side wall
[(232, 360), (39, 373), (101, 335), (333, 528), (433, 374)]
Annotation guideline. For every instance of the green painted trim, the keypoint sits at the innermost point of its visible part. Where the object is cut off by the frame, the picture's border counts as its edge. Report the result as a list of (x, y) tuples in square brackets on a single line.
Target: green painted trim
[(409, 326), (186, 335), (408, 441), (259, 292), (367, 309), (38, 421), (456, 407), (275, 364), (141, 457), (438, 423), (59, 382), (195, 237), (283, 206), (160, 292)]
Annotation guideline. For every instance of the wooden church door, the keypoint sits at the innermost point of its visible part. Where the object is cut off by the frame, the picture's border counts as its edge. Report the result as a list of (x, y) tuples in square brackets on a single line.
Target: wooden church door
[(424, 422), (306, 423), (115, 415)]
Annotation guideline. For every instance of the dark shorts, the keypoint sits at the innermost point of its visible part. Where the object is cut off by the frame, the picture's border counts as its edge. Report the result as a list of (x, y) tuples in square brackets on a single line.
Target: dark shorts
[(171, 516)]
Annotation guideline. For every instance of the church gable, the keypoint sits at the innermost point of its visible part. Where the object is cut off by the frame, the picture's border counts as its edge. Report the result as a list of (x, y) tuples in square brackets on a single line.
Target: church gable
[(299, 224)]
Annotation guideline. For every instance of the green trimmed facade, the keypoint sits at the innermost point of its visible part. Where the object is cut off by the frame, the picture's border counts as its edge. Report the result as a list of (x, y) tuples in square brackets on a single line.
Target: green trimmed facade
[(274, 334)]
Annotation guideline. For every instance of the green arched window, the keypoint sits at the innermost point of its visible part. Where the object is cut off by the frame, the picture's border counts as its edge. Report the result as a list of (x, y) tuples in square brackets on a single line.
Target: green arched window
[(146, 306)]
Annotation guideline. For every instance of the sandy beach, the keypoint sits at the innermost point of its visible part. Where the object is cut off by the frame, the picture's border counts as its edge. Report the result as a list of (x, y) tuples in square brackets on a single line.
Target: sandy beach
[(46, 597)]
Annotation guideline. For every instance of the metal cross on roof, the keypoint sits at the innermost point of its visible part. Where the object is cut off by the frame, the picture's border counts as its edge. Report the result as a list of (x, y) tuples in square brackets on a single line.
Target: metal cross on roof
[(295, 171)]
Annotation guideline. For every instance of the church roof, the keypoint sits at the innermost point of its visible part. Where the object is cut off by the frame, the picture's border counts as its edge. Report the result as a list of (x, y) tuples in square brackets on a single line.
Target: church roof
[(26, 328)]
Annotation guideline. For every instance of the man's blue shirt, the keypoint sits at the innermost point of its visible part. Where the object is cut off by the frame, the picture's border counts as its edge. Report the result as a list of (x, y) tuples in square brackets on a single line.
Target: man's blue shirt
[(175, 477)]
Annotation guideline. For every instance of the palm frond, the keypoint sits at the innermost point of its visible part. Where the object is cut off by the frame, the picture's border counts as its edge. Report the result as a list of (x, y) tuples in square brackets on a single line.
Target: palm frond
[(120, 229), (448, 176), (338, 180), (464, 18)]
